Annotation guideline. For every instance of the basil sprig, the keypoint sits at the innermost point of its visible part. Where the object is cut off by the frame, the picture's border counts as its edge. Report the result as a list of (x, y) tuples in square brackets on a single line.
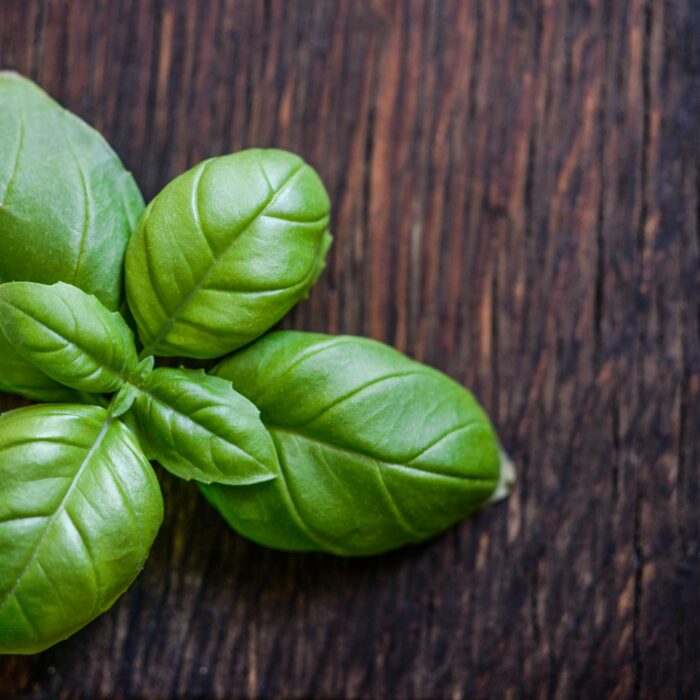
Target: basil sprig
[(302, 441)]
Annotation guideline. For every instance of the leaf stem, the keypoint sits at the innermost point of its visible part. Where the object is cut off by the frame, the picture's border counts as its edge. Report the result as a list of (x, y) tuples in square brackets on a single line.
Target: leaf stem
[(506, 480)]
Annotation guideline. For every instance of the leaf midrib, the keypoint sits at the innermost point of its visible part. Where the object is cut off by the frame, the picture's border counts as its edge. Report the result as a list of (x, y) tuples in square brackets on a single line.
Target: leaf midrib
[(85, 233), (153, 344), (366, 455), (106, 425), (147, 392), (15, 168), (100, 363)]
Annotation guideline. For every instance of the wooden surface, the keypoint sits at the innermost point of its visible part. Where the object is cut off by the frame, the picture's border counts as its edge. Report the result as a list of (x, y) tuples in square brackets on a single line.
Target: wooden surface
[(516, 201)]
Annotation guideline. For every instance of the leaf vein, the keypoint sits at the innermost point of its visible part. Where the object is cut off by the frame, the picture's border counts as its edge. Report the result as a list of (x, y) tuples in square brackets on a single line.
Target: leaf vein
[(444, 436), (60, 508), (174, 316), (15, 168), (355, 391), (87, 207), (296, 511), (88, 555), (211, 431), (394, 465), (99, 363), (128, 505), (394, 506), (306, 355), (302, 222), (32, 625)]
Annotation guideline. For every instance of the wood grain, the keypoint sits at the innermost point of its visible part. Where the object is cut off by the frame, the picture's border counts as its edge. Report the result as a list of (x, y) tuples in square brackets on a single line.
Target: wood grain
[(516, 189)]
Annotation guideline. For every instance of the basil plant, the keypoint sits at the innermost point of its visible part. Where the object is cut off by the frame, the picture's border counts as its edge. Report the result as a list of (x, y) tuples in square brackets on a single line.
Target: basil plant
[(302, 441)]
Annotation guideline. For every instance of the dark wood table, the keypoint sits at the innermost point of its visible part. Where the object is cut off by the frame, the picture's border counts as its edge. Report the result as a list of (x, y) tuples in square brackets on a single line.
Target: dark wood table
[(516, 202)]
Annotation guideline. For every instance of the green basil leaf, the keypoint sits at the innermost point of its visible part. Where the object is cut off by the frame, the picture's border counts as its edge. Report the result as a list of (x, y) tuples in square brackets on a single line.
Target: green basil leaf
[(67, 205), (199, 428), (126, 396), (19, 376), (375, 450), (80, 507), (123, 400), (143, 369), (224, 251), (67, 334)]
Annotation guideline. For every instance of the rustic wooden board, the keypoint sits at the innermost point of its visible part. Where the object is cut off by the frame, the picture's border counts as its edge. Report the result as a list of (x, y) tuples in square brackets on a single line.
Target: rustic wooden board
[(516, 201)]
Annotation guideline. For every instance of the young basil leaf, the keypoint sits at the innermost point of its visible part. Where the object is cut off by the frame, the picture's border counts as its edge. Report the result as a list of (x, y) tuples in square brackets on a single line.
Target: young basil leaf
[(143, 369), (198, 427), (126, 396), (67, 334), (19, 376), (80, 507), (123, 400), (375, 450), (224, 251), (67, 205)]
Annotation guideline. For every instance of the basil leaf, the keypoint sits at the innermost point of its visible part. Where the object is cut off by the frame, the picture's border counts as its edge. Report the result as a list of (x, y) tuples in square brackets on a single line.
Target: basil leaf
[(126, 396), (67, 334), (123, 400), (67, 205), (67, 219), (80, 507), (198, 427), (375, 450), (19, 376), (224, 251)]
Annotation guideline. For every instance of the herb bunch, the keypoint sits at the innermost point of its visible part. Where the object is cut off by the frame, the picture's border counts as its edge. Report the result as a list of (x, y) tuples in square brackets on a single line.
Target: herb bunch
[(302, 441)]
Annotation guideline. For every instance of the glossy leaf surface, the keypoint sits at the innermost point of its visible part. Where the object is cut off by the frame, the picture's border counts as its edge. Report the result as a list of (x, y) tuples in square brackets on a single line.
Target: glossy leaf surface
[(199, 428), (79, 509), (67, 334), (224, 251), (375, 450), (67, 219), (19, 376), (67, 205)]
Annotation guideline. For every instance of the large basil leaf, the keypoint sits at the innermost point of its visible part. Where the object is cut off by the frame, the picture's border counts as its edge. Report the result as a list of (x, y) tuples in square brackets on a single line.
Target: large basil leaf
[(67, 209), (79, 509), (67, 219), (67, 206), (375, 450), (67, 334), (198, 427), (19, 376), (224, 251)]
